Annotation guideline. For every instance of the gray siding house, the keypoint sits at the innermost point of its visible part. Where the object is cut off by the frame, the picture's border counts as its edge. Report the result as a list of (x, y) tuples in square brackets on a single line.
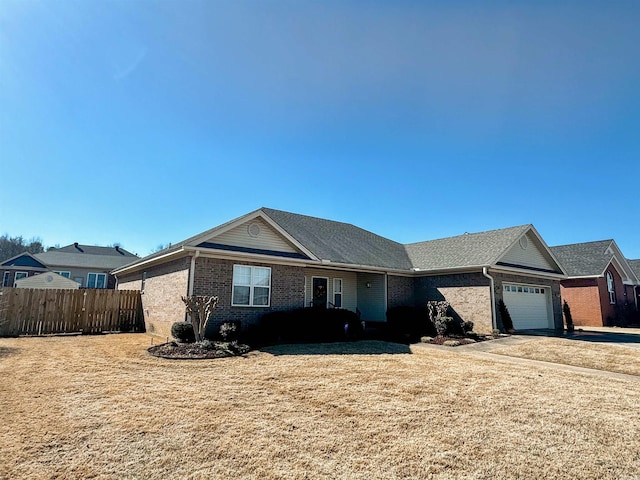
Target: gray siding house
[(89, 266), (274, 260)]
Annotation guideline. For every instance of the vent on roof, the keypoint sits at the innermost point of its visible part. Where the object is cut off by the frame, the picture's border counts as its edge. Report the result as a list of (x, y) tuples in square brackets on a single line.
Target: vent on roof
[(77, 246)]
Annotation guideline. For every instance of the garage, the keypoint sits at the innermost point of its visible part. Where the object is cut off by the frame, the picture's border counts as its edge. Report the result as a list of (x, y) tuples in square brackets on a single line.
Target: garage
[(528, 305)]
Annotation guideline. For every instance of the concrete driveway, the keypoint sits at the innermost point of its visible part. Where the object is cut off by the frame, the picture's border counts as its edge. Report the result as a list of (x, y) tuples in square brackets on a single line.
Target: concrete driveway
[(629, 337)]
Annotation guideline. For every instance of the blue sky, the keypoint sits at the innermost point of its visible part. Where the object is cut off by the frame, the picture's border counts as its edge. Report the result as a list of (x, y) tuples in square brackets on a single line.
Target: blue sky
[(147, 122)]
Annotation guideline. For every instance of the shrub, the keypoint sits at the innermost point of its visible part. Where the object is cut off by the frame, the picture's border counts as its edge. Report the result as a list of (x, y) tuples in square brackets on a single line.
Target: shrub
[(567, 316), (450, 343), (412, 321), (446, 325), (507, 323), (183, 332), (308, 325), (228, 331), (426, 339), (467, 326)]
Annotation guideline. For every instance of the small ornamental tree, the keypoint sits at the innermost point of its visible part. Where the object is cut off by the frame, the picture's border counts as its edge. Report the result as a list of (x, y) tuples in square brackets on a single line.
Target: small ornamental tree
[(507, 323), (200, 308), (567, 316)]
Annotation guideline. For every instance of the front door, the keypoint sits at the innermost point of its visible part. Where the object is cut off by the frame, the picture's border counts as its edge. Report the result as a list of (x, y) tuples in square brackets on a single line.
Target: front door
[(320, 292)]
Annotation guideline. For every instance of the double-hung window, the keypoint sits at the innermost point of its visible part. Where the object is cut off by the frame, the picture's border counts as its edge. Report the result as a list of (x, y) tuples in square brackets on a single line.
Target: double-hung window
[(63, 273), (251, 286), (97, 280), (18, 276), (337, 292)]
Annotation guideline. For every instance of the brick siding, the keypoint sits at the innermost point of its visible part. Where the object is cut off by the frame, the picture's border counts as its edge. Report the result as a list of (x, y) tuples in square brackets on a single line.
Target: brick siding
[(215, 277), (469, 295), (400, 291), (588, 299), (583, 297), (161, 302)]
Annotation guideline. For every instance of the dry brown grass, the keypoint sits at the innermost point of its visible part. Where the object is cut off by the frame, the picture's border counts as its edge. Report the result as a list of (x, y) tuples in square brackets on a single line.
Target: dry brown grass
[(101, 407), (599, 356)]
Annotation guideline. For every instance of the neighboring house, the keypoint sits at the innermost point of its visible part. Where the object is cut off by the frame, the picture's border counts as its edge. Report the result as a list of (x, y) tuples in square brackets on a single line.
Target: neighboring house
[(87, 265), (47, 280), (635, 266), (274, 260), (601, 288)]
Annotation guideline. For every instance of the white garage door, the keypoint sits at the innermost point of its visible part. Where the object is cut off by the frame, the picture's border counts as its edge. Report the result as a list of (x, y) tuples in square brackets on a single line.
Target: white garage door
[(528, 305)]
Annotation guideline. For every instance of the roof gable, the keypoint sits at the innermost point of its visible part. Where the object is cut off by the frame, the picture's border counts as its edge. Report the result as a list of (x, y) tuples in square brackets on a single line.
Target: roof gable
[(255, 235), (49, 280), (591, 259), (23, 260), (529, 252), (468, 250)]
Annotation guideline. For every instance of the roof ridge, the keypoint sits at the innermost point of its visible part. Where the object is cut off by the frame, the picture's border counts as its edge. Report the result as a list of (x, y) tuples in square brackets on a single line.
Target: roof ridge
[(526, 225), (593, 242), (266, 209)]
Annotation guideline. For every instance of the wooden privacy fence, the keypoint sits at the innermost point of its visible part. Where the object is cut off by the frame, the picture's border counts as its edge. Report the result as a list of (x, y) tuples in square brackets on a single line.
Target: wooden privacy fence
[(30, 311)]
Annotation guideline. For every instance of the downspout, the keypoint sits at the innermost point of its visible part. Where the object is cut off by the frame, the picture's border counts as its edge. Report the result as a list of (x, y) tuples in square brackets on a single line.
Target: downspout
[(494, 320), (192, 272)]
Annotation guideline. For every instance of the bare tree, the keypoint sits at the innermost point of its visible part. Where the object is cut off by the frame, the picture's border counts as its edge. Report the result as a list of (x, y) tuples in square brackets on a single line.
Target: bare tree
[(200, 308)]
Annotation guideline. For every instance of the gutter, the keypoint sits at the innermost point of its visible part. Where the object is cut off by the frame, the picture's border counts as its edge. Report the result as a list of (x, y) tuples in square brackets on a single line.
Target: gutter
[(494, 320)]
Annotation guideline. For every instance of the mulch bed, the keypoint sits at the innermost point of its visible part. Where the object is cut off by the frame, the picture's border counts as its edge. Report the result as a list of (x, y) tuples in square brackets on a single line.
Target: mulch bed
[(195, 351), (439, 340)]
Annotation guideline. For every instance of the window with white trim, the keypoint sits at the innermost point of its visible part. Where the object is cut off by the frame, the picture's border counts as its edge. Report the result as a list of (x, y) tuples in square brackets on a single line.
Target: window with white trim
[(337, 292), (18, 276), (63, 273), (5, 279), (251, 286), (97, 280), (611, 288)]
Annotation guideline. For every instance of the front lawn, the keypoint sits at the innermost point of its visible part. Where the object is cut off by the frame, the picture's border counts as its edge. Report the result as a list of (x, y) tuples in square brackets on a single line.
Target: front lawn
[(102, 407)]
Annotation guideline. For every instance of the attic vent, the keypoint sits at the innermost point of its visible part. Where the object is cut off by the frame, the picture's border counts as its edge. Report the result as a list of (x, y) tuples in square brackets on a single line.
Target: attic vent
[(524, 242), (253, 230)]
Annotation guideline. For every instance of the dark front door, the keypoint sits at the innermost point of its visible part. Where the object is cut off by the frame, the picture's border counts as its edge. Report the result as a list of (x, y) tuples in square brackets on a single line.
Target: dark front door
[(320, 292)]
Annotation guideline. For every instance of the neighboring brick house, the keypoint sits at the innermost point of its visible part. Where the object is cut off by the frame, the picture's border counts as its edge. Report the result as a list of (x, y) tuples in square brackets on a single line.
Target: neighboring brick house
[(601, 288), (87, 265), (273, 260), (635, 266)]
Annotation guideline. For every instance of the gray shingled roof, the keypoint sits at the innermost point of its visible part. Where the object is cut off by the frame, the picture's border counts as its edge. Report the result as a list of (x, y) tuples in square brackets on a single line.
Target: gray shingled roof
[(584, 259), (86, 256), (341, 242), (635, 264), (468, 250)]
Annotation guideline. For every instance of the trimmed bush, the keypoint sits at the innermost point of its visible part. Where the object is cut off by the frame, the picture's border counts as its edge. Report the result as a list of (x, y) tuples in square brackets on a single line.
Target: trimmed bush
[(467, 326), (307, 325), (445, 325), (411, 321), (567, 316), (183, 332), (228, 331)]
